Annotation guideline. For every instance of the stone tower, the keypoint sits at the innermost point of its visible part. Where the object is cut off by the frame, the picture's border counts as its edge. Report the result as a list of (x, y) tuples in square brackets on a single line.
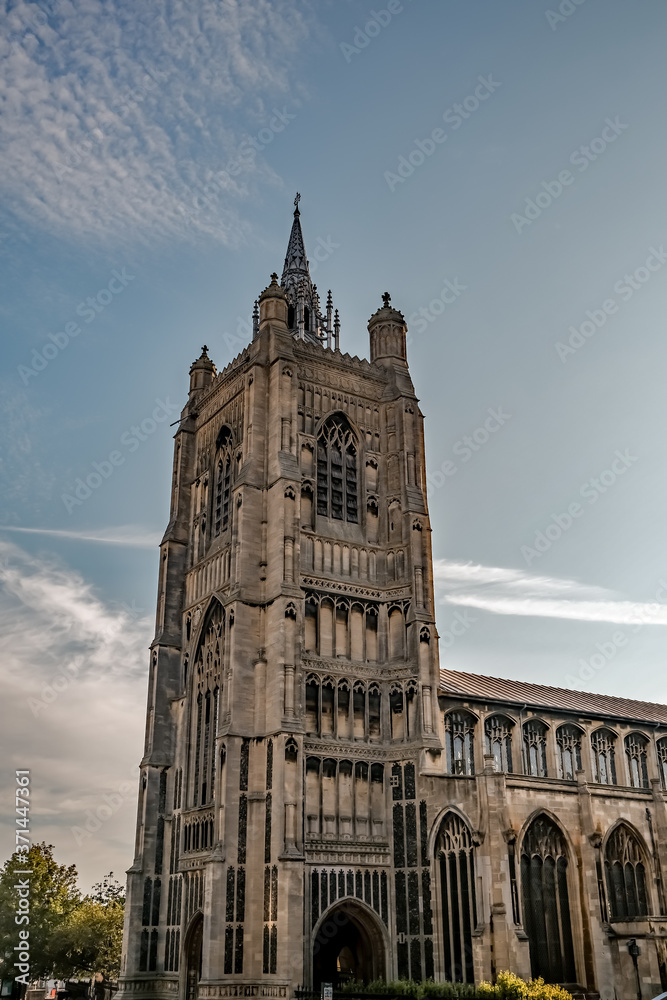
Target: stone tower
[(293, 681)]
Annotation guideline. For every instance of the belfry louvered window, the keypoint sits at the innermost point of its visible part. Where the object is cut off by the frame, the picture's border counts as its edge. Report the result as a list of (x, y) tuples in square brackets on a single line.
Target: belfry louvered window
[(626, 875), (337, 491), (546, 904), (455, 855), (604, 761)]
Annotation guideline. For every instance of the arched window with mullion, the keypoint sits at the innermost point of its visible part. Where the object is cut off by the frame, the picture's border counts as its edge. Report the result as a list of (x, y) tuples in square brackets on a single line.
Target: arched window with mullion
[(337, 488), (568, 745), (498, 741), (546, 906), (455, 855), (535, 748), (626, 875), (459, 739), (604, 758), (661, 747), (636, 753)]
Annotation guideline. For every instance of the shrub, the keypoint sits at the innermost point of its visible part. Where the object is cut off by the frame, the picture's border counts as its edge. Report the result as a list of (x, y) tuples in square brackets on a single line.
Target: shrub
[(507, 986)]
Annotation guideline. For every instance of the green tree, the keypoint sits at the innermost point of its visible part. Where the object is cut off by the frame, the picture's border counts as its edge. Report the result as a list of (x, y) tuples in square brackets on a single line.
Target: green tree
[(90, 941), (53, 897), (71, 936)]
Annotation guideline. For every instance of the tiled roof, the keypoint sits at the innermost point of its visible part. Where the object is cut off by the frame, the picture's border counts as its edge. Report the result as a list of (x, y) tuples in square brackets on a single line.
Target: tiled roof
[(475, 686)]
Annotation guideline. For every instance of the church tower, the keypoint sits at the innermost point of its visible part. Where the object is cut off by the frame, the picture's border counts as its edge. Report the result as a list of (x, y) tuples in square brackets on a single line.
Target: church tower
[(292, 700)]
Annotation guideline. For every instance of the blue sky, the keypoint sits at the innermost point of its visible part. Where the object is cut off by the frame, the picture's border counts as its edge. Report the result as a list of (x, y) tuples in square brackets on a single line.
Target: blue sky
[(499, 168)]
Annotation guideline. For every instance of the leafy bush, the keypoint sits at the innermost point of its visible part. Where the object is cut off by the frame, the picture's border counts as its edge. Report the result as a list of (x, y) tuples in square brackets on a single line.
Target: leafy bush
[(507, 987)]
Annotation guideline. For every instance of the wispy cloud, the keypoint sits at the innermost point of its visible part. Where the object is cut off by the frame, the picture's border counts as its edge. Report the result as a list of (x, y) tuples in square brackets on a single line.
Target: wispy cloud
[(504, 591), (73, 677), (135, 537), (116, 114)]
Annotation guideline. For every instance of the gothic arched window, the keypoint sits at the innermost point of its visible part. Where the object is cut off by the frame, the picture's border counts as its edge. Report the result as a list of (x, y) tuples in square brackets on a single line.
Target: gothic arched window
[(498, 741), (535, 748), (546, 905), (455, 854), (568, 744), (661, 747), (337, 470), (459, 735), (604, 764), (223, 480), (636, 752), (206, 682), (626, 875)]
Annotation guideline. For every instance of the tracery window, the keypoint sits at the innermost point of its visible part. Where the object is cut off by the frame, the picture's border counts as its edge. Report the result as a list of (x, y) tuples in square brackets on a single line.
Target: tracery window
[(661, 747), (459, 737), (223, 481), (546, 906), (626, 875), (455, 854), (604, 763), (568, 744), (535, 748), (337, 470), (498, 741), (206, 681), (636, 752)]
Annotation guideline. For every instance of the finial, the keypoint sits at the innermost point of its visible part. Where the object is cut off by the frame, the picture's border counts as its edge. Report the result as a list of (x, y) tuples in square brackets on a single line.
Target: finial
[(274, 278), (329, 299), (336, 331), (204, 351), (296, 203), (255, 319), (386, 299)]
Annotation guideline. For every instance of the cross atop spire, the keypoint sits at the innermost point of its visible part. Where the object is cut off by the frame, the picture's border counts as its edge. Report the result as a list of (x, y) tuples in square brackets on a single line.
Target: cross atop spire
[(296, 203)]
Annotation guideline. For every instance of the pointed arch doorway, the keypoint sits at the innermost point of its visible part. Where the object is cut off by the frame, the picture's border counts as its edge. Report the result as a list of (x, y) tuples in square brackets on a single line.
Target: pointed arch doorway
[(348, 943), (193, 957)]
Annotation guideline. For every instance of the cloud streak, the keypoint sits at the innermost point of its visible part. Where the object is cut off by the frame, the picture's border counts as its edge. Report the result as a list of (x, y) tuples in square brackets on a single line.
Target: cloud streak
[(503, 591), (73, 676), (130, 535)]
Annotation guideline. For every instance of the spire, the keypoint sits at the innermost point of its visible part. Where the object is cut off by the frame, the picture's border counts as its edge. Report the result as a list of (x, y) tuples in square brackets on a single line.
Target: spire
[(304, 315), (296, 262)]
